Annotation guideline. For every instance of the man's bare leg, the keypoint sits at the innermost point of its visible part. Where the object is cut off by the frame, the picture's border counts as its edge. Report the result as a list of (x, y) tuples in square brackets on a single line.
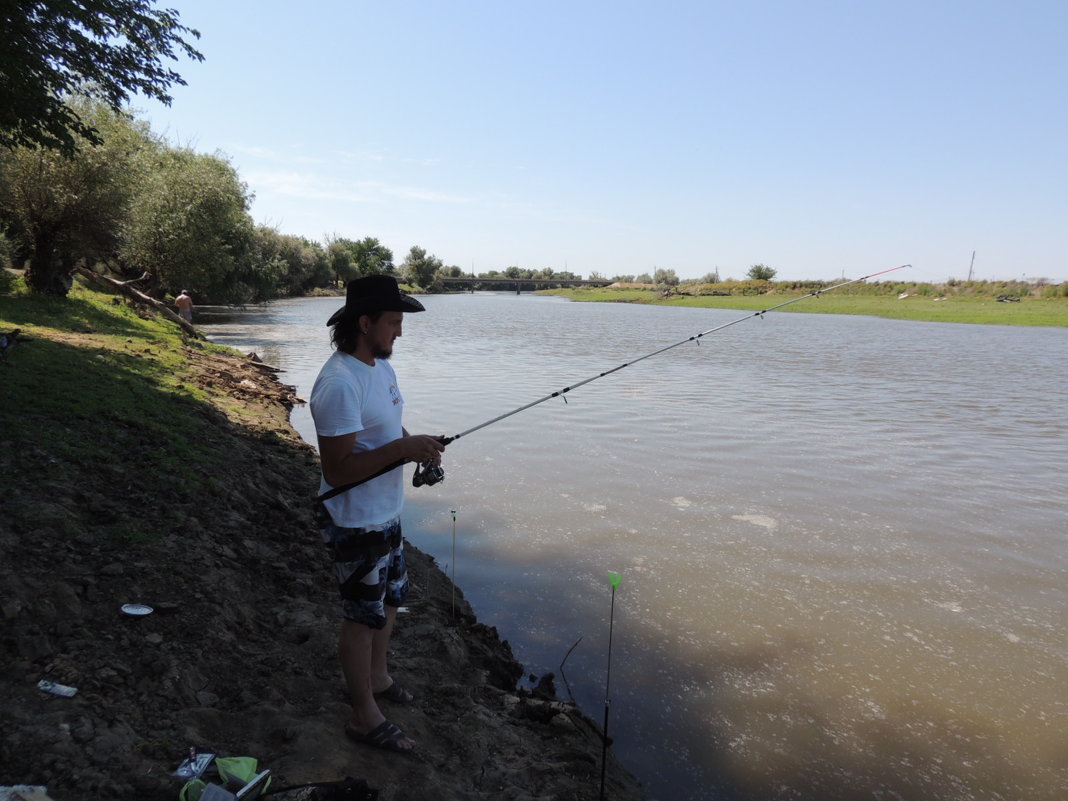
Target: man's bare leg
[(380, 677), (380, 638), (358, 646)]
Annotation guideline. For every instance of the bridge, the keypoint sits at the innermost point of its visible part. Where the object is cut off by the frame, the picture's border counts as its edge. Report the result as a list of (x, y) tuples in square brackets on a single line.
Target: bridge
[(502, 283)]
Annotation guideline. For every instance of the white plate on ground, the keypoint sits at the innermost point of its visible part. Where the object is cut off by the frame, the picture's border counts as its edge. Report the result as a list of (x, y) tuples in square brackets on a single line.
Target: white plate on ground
[(137, 610)]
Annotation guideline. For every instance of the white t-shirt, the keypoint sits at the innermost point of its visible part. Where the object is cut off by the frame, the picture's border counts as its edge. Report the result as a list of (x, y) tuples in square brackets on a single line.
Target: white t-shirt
[(352, 397)]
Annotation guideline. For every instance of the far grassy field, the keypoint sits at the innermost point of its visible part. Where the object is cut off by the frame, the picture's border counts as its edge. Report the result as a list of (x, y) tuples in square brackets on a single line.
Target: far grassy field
[(985, 310)]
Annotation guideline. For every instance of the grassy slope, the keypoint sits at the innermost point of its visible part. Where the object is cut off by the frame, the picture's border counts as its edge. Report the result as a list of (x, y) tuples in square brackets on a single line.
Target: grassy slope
[(102, 399), (952, 309)]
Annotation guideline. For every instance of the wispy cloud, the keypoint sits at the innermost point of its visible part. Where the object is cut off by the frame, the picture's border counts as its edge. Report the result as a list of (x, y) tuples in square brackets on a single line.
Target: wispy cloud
[(301, 155), (314, 186), (360, 156), (265, 153), (418, 193)]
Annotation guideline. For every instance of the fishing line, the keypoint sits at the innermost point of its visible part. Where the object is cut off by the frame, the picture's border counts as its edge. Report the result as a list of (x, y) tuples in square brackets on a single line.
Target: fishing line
[(560, 393), (614, 578), (454, 563), (430, 474)]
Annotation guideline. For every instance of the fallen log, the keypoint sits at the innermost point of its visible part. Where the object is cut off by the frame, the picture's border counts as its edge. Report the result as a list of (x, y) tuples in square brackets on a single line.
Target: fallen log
[(254, 360), (139, 297)]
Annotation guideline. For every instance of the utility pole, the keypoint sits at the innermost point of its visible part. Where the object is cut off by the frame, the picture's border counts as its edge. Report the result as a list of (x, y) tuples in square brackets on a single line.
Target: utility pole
[(970, 267)]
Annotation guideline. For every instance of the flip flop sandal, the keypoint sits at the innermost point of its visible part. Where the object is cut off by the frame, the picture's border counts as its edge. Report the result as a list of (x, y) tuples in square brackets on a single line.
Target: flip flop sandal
[(386, 736), (396, 694)]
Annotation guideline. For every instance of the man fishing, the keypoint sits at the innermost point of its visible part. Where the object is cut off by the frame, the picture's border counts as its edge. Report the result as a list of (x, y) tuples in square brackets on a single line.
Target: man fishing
[(357, 409)]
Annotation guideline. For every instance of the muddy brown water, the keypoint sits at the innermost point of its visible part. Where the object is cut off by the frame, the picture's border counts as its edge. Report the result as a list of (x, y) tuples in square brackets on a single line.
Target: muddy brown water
[(843, 541)]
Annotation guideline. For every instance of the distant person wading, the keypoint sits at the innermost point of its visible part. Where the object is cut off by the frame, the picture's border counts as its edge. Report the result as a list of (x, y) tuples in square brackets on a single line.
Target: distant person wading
[(185, 306)]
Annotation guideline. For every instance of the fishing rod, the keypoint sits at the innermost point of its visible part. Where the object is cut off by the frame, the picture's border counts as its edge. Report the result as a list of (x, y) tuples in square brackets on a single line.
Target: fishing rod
[(561, 392), (430, 474)]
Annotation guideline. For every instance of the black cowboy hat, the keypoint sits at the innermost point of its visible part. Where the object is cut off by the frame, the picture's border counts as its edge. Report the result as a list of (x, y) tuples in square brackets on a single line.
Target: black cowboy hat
[(374, 293)]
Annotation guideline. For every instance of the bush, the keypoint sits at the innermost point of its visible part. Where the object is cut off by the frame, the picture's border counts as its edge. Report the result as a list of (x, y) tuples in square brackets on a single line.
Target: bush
[(664, 277), (760, 272), (732, 288)]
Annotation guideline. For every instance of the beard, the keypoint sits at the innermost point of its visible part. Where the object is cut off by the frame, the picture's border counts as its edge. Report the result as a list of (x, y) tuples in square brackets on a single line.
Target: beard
[(381, 351)]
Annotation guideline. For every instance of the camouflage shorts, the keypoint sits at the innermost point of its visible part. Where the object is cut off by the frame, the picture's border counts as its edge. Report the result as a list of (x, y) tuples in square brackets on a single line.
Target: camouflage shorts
[(370, 568)]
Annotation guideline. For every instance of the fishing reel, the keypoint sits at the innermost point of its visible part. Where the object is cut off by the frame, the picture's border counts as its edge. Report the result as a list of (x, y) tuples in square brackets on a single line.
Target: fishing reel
[(428, 474)]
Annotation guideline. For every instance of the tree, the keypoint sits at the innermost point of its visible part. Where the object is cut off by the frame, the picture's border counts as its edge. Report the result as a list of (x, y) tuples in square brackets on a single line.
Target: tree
[(666, 277), (371, 257), (106, 50), (302, 263), (319, 275), (761, 272), (190, 226), (419, 268), (339, 257), (64, 210), (350, 259)]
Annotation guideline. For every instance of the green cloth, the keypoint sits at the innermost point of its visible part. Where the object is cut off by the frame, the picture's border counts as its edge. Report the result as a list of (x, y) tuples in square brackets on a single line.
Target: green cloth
[(191, 790), (236, 770)]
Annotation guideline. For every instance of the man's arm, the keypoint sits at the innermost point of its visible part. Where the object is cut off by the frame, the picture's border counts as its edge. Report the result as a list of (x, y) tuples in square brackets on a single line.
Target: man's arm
[(341, 465)]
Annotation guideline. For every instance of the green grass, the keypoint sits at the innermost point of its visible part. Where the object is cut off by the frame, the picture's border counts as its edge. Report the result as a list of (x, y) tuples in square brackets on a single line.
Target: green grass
[(984, 310), (99, 399)]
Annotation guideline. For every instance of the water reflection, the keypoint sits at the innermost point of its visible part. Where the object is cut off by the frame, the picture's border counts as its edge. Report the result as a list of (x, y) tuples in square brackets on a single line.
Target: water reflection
[(842, 539)]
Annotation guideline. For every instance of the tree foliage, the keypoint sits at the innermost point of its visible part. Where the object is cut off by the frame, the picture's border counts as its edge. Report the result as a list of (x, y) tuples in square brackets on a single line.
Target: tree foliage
[(134, 204), (665, 277), (340, 259), (372, 257), (761, 272), (64, 210), (303, 263), (190, 226), (419, 268), (106, 50)]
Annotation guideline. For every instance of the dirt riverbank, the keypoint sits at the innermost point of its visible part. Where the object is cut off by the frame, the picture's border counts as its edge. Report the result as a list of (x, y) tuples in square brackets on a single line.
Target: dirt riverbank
[(239, 654)]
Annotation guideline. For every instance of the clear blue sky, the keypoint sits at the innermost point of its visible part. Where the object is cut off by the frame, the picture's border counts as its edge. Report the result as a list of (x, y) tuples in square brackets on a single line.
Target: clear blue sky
[(822, 138)]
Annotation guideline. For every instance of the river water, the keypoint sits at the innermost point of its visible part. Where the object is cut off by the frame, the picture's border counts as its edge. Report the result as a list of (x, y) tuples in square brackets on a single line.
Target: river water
[(842, 541)]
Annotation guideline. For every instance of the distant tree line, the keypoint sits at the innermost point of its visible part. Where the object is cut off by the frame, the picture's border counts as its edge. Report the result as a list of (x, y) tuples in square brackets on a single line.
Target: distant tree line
[(82, 183)]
